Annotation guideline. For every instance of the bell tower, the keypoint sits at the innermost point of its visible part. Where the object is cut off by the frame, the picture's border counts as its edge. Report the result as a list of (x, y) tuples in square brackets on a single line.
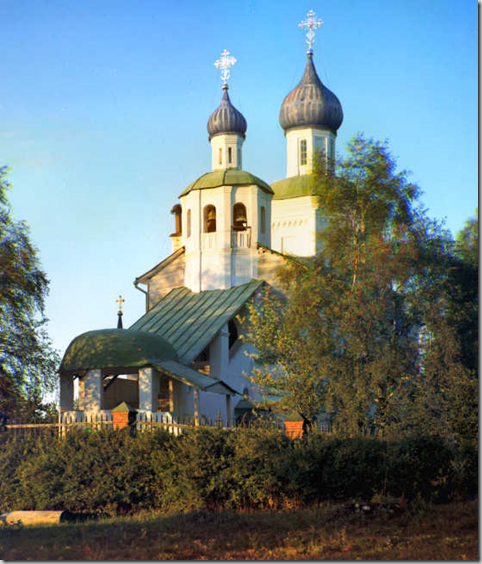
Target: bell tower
[(226, 212)]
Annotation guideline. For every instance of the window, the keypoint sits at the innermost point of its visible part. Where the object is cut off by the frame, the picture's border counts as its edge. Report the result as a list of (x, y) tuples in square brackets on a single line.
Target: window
[(230, 155), (209, 219), (177, 211), (303, 152), (233, 332), (239, 158), (240, 222), (332, 149), (262, 220), (188, 222), (220, 156)]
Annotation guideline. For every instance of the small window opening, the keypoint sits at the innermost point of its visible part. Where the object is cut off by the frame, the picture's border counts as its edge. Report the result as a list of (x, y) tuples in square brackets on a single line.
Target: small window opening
[(233, 332), (240, 222), (230, 155), (239, 158), (303, 152), (203, 356), (177, 210), (209, 219), (220, 156), (263, 220)]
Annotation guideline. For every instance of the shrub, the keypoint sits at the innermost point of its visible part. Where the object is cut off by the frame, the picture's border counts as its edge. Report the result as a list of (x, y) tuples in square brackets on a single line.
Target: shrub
[(112, 472)]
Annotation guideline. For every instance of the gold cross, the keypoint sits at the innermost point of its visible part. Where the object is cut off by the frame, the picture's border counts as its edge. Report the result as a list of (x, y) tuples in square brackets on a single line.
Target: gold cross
[(120, 301)]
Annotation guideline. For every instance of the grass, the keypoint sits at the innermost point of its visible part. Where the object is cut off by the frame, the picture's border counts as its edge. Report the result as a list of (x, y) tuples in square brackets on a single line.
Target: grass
[(332, 532)]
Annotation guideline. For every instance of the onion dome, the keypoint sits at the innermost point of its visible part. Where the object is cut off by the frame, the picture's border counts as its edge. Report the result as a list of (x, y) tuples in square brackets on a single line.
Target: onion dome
[(311, 104), (226, 119)]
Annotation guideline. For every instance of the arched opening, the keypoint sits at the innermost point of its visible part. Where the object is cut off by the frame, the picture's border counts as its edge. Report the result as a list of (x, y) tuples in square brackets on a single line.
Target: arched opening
[(230, 155), (188, 223), (177, 210), (262, 220), (209, 219), (240, 221)]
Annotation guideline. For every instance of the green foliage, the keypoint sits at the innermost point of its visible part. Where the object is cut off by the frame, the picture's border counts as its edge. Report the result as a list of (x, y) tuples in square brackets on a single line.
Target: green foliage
[(106, 472), (362, 338), (27, 361)]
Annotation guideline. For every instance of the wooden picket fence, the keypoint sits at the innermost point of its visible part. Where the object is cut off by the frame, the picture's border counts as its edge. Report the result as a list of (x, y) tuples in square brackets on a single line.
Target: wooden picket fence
[(94, 422)]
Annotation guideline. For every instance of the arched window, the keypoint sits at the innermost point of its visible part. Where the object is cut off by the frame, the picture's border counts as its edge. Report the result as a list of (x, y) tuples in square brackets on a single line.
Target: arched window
[(240, 221), (188, 223), (230, 155), (220, 156), (262, 220), (176, 211), (209, 219)]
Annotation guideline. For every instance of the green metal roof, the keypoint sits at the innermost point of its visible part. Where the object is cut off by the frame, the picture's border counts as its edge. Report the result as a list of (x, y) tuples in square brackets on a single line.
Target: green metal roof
[(227, 177), (194, 378), (120, 349), (189, 321), (115, 349), (293, 187)]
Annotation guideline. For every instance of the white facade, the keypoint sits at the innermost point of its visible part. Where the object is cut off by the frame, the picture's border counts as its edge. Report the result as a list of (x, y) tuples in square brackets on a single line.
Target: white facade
[(223, 257), (226, 151), (303, 144), (296, 224)]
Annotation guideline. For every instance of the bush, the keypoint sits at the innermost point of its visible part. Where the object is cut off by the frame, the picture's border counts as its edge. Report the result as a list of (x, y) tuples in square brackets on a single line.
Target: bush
[(112, 472), (419, 466)]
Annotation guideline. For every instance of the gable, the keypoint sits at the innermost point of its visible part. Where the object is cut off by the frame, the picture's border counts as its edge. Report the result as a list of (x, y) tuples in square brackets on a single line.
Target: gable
[(164, 277)]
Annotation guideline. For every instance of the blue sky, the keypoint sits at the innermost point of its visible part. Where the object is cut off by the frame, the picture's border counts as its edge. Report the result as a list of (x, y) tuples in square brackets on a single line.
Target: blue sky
[(104, 104)]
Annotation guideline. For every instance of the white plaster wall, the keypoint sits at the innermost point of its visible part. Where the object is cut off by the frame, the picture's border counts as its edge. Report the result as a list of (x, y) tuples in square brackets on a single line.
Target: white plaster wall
[(223, 259), (294, 226), (316, 139), (224, 142)]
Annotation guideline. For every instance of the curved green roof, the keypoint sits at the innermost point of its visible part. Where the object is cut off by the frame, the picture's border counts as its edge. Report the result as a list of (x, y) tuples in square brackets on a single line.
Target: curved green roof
[(227, 177), (293, 187), (115, 349)]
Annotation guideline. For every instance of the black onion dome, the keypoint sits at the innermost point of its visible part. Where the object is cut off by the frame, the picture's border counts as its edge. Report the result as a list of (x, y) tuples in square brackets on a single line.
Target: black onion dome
[(226, 119), (311, 104)]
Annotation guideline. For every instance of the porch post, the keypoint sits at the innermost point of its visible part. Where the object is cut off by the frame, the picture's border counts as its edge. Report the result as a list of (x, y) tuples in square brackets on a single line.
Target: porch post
[(93, 390), (228, 410), (196, 406), (148, 389), (219, 354), (66, 393)]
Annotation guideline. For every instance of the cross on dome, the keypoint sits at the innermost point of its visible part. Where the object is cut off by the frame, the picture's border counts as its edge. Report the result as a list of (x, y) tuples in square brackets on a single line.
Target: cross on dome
[(311, 23), (225, 63), (120, 301)]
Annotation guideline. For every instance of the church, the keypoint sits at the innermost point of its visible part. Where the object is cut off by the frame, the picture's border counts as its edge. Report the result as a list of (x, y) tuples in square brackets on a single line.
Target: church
[(184, 359)]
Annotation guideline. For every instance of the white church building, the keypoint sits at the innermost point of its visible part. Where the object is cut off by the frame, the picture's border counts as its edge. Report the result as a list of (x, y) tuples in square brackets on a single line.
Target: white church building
[(184, 357)]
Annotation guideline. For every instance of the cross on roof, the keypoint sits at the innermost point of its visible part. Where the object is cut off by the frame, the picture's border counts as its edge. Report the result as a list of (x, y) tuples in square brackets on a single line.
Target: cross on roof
[(120, 301), (225, 63), (311, 23)]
